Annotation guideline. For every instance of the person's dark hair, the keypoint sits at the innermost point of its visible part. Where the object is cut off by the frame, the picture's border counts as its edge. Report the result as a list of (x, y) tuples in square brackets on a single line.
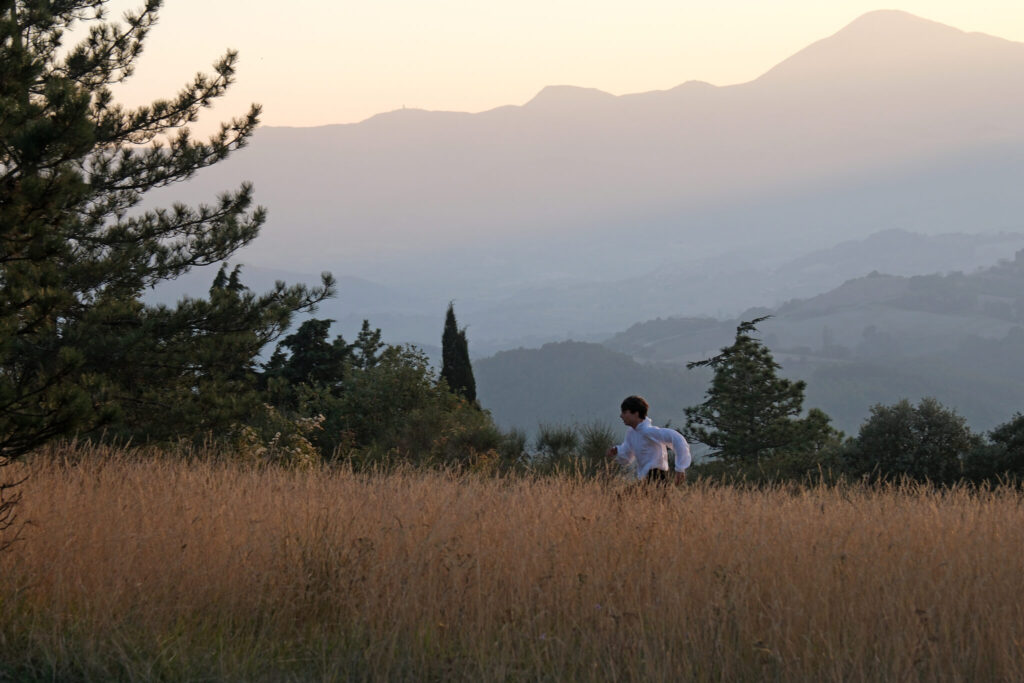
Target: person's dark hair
[(635, 404)]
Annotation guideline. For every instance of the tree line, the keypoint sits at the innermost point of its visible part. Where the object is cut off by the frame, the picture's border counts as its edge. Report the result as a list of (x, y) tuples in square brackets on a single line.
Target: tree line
[(753, 423)]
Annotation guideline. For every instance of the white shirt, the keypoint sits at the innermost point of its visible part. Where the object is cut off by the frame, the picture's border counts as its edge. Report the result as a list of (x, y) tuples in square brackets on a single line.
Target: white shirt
[(647, 445)]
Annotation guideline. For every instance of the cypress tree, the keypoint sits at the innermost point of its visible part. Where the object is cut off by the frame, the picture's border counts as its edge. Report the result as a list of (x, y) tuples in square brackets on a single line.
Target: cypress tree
[(456, 368)]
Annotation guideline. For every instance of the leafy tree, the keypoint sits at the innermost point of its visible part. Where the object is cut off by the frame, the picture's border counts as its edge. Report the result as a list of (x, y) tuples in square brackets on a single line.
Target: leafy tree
[(456, 368), (76, 251), (922, 442), (1009, 438), (368, 400), (306, 378), (1002, 458), (750, 413), (397, 409)]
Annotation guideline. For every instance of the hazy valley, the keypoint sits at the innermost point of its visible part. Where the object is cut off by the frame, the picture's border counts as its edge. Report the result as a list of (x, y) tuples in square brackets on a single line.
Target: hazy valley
[(892, 147)]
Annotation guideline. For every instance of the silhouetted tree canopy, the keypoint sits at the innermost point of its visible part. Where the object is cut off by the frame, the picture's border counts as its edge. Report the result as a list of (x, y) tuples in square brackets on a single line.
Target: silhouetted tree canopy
[(749, 412), (78, 348), (456, 368)]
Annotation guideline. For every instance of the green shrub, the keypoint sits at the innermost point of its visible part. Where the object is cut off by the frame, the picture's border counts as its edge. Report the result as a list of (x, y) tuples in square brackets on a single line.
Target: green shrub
[(926, 442)]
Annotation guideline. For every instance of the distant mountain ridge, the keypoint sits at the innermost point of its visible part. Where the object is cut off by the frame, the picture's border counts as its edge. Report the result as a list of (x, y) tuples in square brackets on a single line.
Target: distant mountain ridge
[(879, 338), (578, 383), (724, 286), (576, 164), (925, 313), (892, 39)]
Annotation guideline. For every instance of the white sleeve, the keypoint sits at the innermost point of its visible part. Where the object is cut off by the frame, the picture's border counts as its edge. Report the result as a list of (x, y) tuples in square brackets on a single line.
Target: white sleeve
[(679, 446), (682, 451), (623, 453)]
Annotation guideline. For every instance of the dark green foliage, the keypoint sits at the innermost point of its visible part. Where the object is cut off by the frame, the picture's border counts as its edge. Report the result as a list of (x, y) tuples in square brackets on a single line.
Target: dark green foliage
[(306, 357), (374, 404), (925, 442), (1009, 438), (367, 346), (456, 368), (595, 440), (1002, 458), (556, 442), (397, 411), (77, 348), (512, 449), (573, 449), (750, 413), (190, 370), (305, 378)]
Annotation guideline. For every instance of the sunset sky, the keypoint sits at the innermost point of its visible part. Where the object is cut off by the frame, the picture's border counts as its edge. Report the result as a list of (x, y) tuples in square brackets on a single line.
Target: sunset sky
[(314, 62)]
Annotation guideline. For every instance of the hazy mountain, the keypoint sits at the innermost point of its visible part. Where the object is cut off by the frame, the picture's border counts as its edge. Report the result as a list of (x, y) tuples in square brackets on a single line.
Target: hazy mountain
[(726, 285), (876, 339), (890, 95), (920, 314), (895, 122), (579, 383)]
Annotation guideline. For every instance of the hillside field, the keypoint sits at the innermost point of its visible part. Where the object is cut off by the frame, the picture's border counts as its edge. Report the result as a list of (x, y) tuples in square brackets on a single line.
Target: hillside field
[(136, 568)]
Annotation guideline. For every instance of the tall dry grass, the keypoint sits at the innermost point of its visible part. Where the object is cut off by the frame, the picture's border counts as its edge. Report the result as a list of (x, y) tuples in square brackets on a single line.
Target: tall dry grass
[(154, 569)]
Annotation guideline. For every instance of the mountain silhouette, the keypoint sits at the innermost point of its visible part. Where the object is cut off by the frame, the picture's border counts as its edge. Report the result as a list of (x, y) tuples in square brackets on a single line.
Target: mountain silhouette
[(556, 98), (886, 44), (894, 122)]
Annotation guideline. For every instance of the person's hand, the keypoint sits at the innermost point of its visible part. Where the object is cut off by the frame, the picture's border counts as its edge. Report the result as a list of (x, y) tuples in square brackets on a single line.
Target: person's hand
[(680, 477), (613, 451)]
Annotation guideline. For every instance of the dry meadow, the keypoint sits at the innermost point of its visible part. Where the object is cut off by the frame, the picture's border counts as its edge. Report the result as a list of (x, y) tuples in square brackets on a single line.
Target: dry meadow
[(160, 569)]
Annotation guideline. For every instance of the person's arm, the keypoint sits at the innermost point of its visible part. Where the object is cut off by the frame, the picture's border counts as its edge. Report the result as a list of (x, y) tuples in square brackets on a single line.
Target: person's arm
[(682, 451), (683, 458), (622, 453)]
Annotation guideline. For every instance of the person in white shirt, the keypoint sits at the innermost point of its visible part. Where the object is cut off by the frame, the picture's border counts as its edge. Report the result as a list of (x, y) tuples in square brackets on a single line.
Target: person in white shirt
[(647, 445)]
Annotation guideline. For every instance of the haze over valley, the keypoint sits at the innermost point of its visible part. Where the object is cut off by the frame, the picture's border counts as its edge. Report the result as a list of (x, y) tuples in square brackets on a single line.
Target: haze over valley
[(893, 147)]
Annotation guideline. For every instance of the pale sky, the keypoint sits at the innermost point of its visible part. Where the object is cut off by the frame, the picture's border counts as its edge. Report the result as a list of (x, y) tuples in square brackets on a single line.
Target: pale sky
[(315, 62)]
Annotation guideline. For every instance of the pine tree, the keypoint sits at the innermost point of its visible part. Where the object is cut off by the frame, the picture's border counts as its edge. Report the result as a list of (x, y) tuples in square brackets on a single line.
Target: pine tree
[(456, 369), (750, 412), (188, 370), (367, 347), (76, 252), (306, 363)]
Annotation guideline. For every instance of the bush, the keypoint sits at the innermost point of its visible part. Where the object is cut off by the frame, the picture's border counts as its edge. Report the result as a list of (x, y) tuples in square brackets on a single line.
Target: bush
[(557, 441), (926, 442), (273, 439), (595, 440), (1002, 458), (513, 448), (556, 447)]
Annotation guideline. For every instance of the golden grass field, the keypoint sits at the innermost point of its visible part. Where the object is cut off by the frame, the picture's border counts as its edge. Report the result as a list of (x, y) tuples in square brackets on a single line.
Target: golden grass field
[(157, 569)]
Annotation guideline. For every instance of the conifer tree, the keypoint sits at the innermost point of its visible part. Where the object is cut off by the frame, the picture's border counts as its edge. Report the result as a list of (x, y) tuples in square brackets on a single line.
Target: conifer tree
[(305, 356), (367, 347), (76, 251), (456, 368), (750, 412)]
